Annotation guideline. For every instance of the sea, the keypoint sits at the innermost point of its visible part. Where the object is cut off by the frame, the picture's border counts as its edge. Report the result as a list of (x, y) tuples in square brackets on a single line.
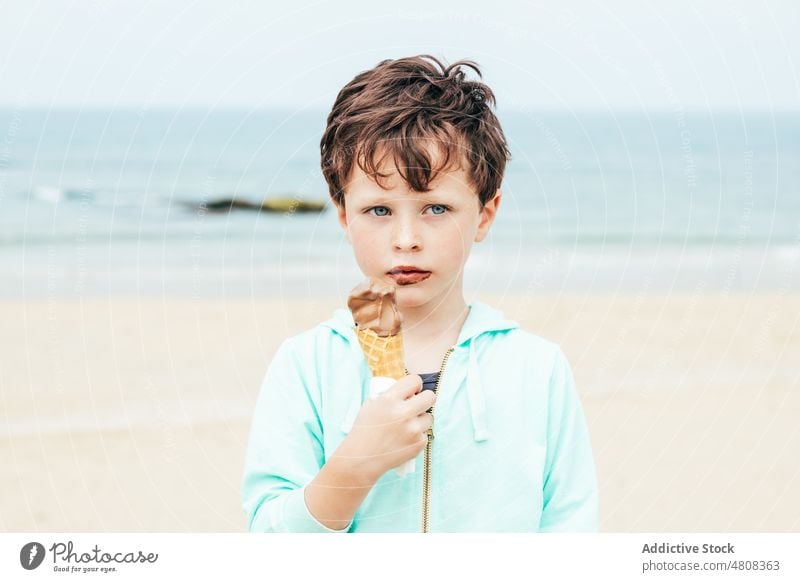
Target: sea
[(111, 202)]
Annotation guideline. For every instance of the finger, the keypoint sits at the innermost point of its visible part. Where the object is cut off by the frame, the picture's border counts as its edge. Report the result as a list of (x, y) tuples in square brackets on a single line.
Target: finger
[(422, 401), (406, 387)]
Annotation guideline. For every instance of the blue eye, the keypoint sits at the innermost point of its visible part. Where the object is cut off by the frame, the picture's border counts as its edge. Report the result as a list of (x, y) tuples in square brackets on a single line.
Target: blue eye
[(383, 211)]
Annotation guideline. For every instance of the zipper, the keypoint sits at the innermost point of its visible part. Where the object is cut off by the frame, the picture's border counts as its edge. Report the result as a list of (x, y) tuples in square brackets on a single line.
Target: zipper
[(426, 477)]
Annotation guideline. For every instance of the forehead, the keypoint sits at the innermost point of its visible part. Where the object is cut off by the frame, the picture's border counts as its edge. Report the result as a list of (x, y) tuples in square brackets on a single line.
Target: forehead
[(450, 180)]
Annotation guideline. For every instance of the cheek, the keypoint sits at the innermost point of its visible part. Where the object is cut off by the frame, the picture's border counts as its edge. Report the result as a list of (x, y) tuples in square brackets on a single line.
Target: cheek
[(368, 258), (455, 243), (368, 248)]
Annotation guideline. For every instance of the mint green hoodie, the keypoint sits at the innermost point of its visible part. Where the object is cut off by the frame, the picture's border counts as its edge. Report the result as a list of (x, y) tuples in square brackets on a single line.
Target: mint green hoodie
[(510, 452)]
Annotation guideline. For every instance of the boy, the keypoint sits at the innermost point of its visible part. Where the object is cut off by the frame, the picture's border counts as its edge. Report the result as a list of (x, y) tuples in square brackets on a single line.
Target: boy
[(414, 158)]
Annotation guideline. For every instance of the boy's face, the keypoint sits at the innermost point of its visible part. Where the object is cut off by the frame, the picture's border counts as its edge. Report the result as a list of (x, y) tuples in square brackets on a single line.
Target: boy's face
[(432, 231)]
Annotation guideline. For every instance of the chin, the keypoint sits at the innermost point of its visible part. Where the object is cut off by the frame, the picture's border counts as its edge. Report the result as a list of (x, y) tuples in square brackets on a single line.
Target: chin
[(411, 296)]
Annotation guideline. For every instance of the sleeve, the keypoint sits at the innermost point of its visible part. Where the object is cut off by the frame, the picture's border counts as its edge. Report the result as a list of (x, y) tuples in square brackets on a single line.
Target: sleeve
[(570, 483), (284, 451)]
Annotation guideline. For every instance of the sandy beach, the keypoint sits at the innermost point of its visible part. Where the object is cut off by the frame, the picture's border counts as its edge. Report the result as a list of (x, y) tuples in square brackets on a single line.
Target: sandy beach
[(133, 414)]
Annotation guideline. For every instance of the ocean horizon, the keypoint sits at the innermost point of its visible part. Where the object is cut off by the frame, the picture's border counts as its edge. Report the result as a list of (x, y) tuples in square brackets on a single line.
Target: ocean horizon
[(102, 202)]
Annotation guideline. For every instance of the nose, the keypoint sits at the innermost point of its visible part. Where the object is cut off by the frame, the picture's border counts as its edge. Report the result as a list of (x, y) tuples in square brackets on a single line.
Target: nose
[(406, 235)]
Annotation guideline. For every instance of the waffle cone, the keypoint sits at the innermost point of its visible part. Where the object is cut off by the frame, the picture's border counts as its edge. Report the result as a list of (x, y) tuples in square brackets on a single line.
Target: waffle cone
[(384, 354)]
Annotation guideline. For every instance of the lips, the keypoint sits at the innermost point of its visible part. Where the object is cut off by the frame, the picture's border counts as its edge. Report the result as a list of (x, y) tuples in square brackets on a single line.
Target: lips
[(409, 278), (408, 275)]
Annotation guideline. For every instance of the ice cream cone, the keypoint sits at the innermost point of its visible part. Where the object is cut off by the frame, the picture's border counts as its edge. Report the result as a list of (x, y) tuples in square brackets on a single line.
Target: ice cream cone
[(379, 332), (384, 355)]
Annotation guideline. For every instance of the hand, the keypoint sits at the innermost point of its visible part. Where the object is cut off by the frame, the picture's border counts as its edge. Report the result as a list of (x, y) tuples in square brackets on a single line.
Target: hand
[(391, 428)]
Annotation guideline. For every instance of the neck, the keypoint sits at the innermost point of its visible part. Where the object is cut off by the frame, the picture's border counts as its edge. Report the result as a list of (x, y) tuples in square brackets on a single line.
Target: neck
[(435, 322)]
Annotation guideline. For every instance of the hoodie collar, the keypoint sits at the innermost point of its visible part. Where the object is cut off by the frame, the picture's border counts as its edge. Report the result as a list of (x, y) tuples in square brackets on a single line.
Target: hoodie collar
[(480, 320)]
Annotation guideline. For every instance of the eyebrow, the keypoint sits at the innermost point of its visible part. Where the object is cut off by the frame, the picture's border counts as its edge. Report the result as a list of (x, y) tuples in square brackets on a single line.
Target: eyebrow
[(418, 196)]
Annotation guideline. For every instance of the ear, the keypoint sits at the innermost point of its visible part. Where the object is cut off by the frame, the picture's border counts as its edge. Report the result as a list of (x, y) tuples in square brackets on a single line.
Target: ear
[(487, 216), (341, 215)]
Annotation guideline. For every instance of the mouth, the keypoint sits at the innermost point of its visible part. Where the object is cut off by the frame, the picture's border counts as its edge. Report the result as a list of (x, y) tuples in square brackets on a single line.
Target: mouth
[(411, 276)]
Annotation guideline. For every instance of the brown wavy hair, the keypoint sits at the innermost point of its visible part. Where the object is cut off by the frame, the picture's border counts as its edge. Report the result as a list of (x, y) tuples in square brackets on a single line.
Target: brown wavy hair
[(402, 107)]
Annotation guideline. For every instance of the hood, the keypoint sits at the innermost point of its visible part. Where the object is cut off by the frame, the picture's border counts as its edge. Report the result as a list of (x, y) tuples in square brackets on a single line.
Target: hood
[(482, 320)]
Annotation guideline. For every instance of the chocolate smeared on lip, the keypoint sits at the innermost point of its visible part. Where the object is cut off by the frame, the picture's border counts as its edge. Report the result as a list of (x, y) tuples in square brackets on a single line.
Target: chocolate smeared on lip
[(410, 277)]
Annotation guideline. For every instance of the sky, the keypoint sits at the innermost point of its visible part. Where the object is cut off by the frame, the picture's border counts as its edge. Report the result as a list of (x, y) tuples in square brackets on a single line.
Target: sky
[(564, 55)]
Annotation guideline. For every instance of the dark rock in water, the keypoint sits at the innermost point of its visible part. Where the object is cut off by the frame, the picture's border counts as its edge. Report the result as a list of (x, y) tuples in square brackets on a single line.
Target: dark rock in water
[(291, 205), (276, 204), (226, 204)]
